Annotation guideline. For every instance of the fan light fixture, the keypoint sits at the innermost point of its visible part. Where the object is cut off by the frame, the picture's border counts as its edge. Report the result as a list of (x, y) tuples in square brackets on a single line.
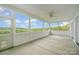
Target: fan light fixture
[(50, 14)]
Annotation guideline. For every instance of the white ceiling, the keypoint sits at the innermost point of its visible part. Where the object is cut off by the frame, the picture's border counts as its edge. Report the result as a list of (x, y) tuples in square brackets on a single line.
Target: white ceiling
[(60, 11)]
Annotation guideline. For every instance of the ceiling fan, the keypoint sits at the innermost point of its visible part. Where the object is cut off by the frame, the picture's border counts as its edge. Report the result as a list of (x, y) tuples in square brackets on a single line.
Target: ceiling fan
[(51, 14)]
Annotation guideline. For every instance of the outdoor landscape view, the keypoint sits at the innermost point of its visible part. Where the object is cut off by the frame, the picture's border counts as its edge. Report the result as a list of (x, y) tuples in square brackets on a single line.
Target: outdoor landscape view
[(22, 23), (5, 27), (61, 26)]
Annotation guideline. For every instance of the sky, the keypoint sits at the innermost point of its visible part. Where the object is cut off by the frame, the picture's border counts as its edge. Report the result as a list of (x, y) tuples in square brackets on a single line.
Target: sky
[(22, 20), (59, 24)]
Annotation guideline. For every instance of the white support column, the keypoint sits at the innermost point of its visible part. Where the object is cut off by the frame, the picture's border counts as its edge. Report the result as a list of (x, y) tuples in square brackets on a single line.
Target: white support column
[(29, 24), (43, 24), (72, 29), (50, 28), (76, 29), (13, 27)]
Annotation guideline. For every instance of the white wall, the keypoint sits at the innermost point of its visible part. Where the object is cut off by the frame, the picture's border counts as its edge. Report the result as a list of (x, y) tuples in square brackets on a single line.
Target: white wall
[(61, 33), (20, 38), (5, 41), (27, 37)]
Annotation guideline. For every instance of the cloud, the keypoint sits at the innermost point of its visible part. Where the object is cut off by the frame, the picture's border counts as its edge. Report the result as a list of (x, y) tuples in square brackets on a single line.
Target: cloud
[(26, 21), (8, 22), (34, 24), (64, 23), (22, 26), (33, 20), (18, 21), (7, 13), (4, 12), (1, 9)]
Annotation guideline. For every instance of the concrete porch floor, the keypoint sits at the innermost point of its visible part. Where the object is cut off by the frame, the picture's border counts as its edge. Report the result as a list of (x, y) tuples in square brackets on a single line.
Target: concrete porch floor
[(51, 45)]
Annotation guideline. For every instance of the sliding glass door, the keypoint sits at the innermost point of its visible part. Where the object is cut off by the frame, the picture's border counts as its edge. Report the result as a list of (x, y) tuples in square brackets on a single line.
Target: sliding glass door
[(5, 33)]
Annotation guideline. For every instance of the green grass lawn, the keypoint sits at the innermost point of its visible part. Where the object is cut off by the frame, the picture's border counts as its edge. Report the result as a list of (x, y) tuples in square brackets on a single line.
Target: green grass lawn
[(4, 30), (19, 30), (63, 28)]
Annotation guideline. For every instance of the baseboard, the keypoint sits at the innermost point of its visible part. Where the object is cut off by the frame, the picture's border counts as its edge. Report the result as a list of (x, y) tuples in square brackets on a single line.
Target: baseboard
[(5, 49), (32, 40)]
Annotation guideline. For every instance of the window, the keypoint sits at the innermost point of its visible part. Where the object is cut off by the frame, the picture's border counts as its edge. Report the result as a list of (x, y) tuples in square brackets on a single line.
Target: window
[(22, 23), (36, 25), (5, 26), (5, 12), (63, 26), (46, 26), (54, 26)]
